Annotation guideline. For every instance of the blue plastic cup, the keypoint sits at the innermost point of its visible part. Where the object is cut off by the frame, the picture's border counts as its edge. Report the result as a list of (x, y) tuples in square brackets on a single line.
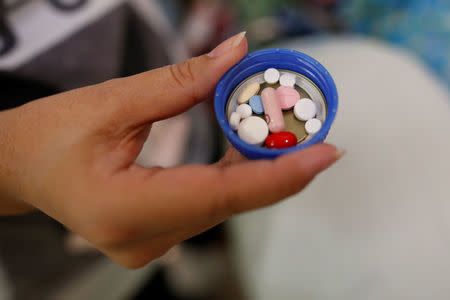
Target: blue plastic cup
[(283, 59)]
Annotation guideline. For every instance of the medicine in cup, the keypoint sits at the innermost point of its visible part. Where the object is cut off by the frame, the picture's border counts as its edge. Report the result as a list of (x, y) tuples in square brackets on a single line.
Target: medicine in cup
[(282, 106)]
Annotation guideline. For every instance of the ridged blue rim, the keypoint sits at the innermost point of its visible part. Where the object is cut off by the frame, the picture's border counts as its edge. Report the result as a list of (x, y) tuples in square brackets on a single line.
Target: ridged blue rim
[(259, 61)]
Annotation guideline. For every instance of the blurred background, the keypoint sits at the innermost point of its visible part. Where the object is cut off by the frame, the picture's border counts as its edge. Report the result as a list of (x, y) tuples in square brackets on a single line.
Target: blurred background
[(376, 226)]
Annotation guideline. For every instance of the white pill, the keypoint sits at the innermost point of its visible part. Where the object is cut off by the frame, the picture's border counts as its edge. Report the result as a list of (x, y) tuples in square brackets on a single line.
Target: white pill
[(305, 109), (271, 75), (287, 80), (248, 92), (235, 119), (244, 110), (313, 126), (253, 130)]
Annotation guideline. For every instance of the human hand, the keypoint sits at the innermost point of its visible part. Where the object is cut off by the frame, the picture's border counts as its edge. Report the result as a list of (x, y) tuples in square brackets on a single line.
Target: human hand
[(72, 156)]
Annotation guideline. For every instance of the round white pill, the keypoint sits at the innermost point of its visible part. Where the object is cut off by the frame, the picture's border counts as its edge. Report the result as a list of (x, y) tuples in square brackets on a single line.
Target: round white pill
[(313, 126), (287, 80), (244, 110), (305, 109), (271, 75), (235, 119), (253, 130)]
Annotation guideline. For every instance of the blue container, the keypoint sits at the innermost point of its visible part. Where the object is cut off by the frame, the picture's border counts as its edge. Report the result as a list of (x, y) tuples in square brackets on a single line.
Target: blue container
[(283, 59)]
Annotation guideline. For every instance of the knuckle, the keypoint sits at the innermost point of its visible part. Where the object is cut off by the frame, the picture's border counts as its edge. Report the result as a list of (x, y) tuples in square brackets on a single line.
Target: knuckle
[(182, 73)]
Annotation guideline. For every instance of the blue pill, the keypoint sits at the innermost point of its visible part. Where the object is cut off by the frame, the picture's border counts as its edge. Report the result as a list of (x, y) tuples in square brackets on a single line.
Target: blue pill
[(256, 104)]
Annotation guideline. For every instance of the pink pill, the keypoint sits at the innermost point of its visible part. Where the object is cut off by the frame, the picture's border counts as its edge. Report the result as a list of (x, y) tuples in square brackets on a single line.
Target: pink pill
[(272, 108), (287, 97)]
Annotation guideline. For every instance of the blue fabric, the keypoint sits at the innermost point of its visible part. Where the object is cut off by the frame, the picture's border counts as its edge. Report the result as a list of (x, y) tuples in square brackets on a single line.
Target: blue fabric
[(423, 26)]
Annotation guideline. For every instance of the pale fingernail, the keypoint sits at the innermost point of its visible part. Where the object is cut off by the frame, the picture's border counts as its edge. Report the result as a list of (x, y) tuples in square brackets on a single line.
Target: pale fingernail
[(331, 160), (228, 45), (340, 153)]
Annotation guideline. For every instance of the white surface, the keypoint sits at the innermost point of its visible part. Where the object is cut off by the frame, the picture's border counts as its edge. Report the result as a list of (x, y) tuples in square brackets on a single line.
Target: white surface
[(271, 75), (253, 130), (244, 110), (305, 109), (377, 224), (313, 126), (287, 80)]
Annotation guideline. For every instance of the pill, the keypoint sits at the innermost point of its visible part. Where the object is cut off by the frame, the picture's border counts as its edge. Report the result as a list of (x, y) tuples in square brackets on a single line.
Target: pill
[(271, 75), (256, 104), (305, 109), (248, 92), (313, 126), (244, 110), (287, 80), (272, 109), (281, 140), (235, 119), (253, 130), (287, 97)]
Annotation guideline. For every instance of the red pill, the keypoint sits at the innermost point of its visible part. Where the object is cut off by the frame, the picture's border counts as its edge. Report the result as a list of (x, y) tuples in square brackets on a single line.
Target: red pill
[(281, 140)]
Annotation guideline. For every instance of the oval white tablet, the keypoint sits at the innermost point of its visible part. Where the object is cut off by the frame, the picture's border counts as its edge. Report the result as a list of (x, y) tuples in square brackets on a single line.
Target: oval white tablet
[(253, 130), (248, 92), (305, 109), (235, 119), (244, 110), (271, 75), (313, 126), (287, 80)]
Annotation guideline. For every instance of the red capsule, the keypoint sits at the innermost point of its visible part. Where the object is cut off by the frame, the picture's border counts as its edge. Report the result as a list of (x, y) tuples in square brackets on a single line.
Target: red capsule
[(281, 140)]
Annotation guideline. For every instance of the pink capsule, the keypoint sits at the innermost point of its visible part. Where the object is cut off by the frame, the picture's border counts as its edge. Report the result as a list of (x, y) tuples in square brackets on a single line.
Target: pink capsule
[(287, 97), (274, 115)]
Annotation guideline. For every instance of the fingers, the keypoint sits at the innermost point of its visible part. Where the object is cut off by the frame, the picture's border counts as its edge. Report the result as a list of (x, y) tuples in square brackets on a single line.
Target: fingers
[(202, 196), (193, 193), (230, 157), (252, 185), (164, 92)]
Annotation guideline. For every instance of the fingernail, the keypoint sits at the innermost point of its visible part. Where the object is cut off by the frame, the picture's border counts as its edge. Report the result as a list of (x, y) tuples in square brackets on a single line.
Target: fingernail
[(238, 39), (228, 45), (340, 153), (316, 159)]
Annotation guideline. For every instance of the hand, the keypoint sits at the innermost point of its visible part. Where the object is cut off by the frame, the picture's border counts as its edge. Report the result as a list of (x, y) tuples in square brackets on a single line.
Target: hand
[(72, 156)]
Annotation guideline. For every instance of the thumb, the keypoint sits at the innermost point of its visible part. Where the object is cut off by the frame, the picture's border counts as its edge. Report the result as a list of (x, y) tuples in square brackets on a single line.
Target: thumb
[(167, 91)]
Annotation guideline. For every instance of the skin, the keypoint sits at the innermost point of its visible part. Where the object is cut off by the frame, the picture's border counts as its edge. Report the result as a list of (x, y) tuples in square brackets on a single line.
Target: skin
[(72, 157)]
